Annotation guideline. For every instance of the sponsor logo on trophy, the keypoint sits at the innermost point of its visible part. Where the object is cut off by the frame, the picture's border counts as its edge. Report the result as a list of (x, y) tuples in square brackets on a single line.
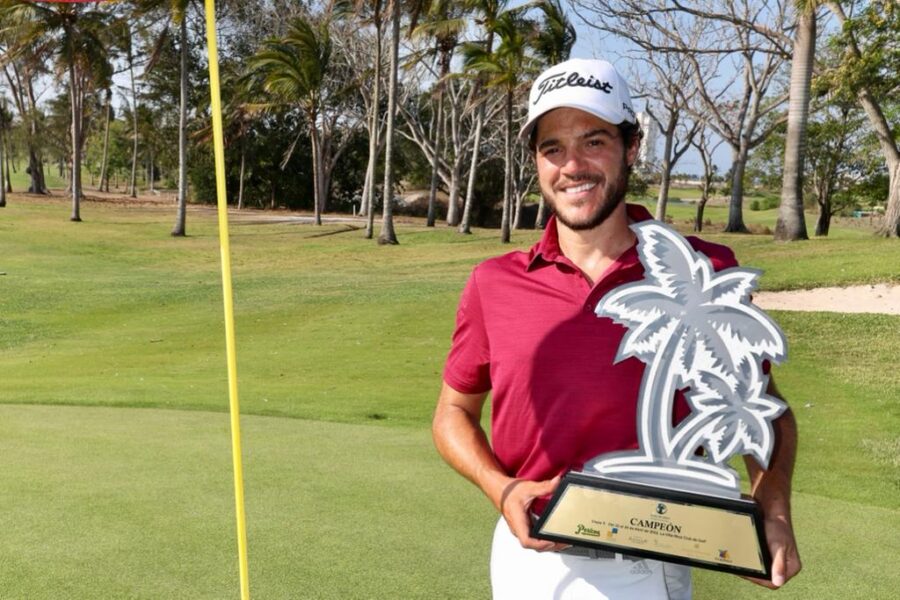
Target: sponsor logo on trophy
[(696, 330)]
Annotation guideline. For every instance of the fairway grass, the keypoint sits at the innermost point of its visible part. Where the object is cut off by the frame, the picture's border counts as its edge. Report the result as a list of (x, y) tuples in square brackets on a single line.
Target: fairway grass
[(125, 485)]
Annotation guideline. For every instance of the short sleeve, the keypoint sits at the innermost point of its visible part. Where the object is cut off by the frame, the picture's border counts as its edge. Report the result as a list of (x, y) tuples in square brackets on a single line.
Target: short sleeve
[(721, 257), (468, 364)]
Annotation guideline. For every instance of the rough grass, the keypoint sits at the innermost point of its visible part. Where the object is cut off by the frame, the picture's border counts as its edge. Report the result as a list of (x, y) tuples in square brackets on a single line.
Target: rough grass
[(346, 498)]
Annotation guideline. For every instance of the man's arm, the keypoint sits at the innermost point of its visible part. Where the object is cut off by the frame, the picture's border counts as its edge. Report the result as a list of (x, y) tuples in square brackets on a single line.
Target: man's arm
[(772, 489), (461, 441)]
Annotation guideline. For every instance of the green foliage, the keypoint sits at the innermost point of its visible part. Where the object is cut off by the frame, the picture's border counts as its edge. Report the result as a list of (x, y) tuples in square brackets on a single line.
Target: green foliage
[(874, 26), (267, 183), (294, 67), (766, 203)]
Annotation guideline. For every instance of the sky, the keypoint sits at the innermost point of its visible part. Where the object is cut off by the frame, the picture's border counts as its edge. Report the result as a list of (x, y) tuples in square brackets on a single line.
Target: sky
[(592, 43)]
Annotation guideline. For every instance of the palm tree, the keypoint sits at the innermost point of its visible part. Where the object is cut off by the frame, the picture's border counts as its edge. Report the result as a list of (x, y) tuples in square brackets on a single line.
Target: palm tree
[(376, 18), (553, 45), (557, 34), (103, 185), (487, 12), (506, 68), (732, 414), (387, 234), (293, 69), (21, 66), (81, 51), (445, 24), (126, 40), (178, 15), (177, 12), (5, 122), (693, 327), (791, 223)]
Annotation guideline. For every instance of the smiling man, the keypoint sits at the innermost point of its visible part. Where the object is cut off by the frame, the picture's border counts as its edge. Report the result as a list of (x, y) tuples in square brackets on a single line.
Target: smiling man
[(526, 333)]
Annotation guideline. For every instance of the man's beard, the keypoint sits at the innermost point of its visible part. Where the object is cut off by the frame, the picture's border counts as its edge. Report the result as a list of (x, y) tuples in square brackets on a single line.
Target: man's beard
[(612, 198)]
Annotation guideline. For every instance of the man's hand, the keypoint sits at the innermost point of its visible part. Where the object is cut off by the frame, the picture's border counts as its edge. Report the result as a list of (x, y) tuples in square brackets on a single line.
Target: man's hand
[(463, 444), (783, 549), (772, 489), (515, 503)]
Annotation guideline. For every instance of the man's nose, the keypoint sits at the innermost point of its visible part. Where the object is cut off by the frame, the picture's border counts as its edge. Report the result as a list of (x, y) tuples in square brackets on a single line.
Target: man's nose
[(575, 163)]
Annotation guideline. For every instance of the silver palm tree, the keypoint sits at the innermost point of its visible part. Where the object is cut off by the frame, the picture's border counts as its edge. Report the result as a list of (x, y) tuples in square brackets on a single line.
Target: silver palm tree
[(693, 327)]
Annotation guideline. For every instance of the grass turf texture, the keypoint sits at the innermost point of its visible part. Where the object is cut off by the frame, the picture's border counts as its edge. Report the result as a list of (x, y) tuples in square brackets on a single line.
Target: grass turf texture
[(346, 498)]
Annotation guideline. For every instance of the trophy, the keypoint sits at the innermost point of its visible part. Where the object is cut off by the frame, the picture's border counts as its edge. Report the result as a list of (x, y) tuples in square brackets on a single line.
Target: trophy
[(675, 498)]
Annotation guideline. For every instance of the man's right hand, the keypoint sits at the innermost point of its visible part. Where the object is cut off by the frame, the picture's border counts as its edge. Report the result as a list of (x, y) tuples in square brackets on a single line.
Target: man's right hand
[(515, 504), (459, 439)]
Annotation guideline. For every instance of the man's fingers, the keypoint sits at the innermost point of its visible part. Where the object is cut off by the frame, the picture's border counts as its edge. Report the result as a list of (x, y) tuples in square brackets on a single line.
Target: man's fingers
[(542, 488), (778, 567), (517, 499)]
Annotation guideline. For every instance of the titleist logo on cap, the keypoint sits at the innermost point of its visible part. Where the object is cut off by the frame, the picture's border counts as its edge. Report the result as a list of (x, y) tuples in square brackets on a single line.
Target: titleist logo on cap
[(574, 79)]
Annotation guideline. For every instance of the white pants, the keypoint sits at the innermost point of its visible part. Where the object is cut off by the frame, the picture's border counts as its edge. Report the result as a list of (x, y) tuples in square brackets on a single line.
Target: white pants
[(521, 574)]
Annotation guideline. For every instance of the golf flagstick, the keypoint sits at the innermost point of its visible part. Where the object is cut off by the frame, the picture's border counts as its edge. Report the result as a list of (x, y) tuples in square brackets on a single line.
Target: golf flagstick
[(219, 151)]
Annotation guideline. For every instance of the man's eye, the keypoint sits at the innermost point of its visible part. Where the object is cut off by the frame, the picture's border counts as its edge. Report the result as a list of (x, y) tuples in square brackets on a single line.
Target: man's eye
[(595, 142)]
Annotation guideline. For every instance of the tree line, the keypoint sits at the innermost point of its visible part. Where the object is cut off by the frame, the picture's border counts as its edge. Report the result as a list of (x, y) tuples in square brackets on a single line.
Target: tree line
[(329, 105)]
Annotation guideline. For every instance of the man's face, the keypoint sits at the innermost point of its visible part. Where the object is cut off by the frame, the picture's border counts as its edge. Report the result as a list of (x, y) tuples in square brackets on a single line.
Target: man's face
[(582, 166)]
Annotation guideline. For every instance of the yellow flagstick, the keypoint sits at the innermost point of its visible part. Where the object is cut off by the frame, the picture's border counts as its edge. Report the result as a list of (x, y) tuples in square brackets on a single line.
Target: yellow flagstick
[(219, 149)]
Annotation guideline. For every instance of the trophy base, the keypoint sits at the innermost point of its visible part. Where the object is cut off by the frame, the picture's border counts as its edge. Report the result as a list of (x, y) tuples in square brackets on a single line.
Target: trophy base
[(636, 519)]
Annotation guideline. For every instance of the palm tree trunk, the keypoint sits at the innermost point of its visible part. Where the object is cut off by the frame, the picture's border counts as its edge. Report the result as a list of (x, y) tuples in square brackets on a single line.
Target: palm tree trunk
[(791, 223), (507, 176), (436, 160), (35, 163), (4, 167), (374, 142), (317, 168), (151, 171), (134, 121), (8, 180), (180, 225), (465, 224), (540, 221), (387, 235), (240, 203), (75, 100), (104, 175), (476, 149)]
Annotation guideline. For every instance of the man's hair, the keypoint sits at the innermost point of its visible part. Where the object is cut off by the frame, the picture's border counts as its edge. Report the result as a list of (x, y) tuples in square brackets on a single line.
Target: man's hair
[(631, 134)]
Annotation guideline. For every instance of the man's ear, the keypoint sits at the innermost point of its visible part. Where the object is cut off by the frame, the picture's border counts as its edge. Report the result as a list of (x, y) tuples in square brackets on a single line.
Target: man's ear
[(631, 153)]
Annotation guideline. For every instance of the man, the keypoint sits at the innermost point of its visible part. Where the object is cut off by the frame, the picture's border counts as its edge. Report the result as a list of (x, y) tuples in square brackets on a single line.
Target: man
[(526, 332)]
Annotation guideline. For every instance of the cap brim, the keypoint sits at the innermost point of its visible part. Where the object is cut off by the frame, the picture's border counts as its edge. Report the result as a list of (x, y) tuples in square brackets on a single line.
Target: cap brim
[(525, 131)]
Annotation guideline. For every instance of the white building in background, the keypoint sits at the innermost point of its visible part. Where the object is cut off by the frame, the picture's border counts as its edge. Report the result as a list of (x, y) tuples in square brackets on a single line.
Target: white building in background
[(647, 154)]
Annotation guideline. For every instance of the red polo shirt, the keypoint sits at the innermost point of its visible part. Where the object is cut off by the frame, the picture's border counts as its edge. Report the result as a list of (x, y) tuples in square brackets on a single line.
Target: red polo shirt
[(527, 332)]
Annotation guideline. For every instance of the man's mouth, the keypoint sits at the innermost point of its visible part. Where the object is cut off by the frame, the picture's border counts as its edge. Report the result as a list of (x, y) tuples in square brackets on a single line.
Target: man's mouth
[(577, 189)]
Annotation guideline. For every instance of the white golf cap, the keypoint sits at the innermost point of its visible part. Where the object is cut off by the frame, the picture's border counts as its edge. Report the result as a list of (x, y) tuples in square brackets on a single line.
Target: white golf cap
[(593, 86)]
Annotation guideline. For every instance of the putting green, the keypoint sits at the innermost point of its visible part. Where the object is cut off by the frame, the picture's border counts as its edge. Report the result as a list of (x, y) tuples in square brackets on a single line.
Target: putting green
[(137, 503)]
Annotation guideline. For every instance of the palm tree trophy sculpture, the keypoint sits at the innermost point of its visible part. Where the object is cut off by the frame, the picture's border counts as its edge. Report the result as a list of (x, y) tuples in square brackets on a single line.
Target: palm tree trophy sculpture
[(694, 328)]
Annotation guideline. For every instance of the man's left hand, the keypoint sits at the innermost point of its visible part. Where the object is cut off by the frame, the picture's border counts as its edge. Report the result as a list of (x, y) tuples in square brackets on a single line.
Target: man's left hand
[(783, 549)]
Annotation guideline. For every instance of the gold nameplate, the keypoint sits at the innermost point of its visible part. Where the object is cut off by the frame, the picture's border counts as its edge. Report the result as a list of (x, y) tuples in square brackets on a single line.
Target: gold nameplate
[(674, 526)]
